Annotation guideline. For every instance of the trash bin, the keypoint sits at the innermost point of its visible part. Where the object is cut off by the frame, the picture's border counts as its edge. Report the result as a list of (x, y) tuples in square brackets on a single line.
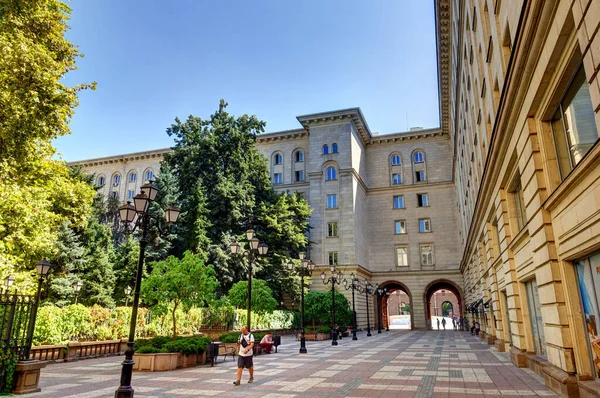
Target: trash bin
[(212, 352), (276, 341)]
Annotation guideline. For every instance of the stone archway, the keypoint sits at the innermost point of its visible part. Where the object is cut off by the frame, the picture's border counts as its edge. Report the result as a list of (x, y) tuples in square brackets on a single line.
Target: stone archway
[(393, 286), (442, 284)]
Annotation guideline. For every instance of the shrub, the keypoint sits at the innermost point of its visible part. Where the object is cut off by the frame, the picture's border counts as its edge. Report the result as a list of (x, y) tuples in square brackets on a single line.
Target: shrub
[(324, 329), (148, 349)]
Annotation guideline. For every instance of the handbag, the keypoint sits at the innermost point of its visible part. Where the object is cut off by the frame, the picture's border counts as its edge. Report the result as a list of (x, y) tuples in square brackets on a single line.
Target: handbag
[(243, 342)]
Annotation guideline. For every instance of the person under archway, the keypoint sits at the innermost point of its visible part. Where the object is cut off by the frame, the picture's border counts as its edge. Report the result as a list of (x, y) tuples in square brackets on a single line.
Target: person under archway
[(444, 323)]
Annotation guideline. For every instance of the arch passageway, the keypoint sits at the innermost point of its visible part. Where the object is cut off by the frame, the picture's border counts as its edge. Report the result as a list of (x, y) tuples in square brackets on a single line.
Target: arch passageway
[(443, 303), (397, 308)]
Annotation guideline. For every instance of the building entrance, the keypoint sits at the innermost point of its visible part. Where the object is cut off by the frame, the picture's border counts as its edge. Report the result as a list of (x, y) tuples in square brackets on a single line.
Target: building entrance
[(397, 308), (443, 305)]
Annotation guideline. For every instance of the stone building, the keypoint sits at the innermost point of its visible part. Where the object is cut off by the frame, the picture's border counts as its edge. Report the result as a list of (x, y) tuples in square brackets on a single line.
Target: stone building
[(520, 97)]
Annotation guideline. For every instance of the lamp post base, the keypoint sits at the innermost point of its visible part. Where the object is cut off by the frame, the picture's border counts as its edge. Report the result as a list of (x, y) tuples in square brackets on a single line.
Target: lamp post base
[(303, 343), (369, 334), (354, 334), (124, 392), (334, 335), (379, 331)]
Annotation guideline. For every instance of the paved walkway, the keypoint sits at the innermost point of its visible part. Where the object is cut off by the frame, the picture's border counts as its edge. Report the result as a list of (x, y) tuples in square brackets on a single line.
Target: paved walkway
[(391, 364)]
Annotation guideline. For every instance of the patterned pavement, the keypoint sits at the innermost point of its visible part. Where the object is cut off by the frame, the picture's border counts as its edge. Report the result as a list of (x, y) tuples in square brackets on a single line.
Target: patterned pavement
[(392, 364)]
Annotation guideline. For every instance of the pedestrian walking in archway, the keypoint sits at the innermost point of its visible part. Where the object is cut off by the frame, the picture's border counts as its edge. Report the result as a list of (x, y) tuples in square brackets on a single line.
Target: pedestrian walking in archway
[(444, 323)]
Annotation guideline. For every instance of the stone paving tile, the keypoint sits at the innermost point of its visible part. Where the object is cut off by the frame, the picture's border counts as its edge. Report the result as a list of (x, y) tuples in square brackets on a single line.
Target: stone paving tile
[(392, 364)]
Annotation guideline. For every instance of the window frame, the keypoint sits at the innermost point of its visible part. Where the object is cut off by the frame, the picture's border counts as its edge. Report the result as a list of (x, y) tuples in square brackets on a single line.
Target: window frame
[(325, 149), (277, 159), (130, 193), (101, 181), (299, 156), (402, 200), (334, 147), (116, 180), (148, 178), (275, 175), (399, 160), (296, 176), (421, 202), (333, 176), (417, 179), (423, 245), (403, 227), (334, 196), (393, 179), (425, 221), (332, 229), (421, 159), (333, 258), (132, 176), (406, 254)]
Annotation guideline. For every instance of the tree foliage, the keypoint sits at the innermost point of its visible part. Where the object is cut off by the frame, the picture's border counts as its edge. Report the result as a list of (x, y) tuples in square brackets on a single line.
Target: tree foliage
[(177, 282), (317, 308), (37, 192), (262, 296)]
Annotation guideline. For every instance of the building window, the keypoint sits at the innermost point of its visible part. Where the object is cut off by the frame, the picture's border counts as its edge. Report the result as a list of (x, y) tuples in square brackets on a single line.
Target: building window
[(535, 315), (400, 227), (115, 194), (325, 149), (424, 225), (116, 180), (426, 254), (588, 281), (573, 124), (130, 194), (422, 200), (332, 229), (331, 174), (519, 204), (101, 181), (402, 256), (396, 160), (299, 156), (418, 157), (149, 175), (299, 175), (399, 202), (334, 148), (396, 179), (277, 178), (333, 258), (419, 176), (132, 177), (332, 201), (278, 159)]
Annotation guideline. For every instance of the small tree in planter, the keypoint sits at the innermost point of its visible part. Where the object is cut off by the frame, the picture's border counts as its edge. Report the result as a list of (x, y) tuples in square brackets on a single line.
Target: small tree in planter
[(262, 297), (179, 282)]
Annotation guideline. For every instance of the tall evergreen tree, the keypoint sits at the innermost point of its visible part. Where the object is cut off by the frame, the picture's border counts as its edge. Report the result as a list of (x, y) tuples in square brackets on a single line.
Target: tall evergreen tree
[(125, 266), (99, 278)]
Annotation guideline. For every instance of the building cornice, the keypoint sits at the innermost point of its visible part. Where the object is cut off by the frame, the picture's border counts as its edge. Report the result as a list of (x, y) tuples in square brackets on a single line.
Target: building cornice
[(443, 19), (407, 136), (353, 114), (129, 157), (281, 136)]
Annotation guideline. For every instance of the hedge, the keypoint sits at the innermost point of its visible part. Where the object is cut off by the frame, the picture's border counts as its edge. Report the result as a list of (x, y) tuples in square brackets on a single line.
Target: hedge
[(158, 344), (58, 325)]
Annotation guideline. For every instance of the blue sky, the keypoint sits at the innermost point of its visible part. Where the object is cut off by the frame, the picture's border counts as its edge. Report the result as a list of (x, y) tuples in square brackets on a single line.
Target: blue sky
[(154, 60)]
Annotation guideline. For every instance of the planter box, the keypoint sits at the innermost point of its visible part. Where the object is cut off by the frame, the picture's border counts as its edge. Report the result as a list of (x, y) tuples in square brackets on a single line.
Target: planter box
[(27, 376), (201, 358), (157, 362), (312, 336)]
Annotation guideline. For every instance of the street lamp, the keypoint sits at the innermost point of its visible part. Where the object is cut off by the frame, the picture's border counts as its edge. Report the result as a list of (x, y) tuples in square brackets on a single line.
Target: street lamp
[(380, 293), (335, 278), (77, 287), (42, 268), (305, 269), (368, 292), (8, 282), (127, 293), (138, 216), (354, 285), (255, 247)]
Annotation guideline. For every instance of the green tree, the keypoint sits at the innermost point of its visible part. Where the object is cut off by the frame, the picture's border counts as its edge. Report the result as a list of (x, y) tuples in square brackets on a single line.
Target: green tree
[(37, 193), (177, 282), (262, 296), (69, 261), (125, 266), (99, 278), (317, 307), (225, 189)]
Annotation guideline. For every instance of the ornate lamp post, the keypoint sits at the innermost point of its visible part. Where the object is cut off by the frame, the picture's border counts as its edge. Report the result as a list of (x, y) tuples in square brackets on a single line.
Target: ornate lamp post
[(368, 292), (77, 287), (380, 293), (127, 293), (335, 278), (354, 285), (41, 268), (8, 282), (137, 214), (255, 247), (305, 269)]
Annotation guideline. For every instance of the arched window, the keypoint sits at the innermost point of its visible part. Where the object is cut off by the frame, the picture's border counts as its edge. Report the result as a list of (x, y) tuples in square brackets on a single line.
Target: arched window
[(334, 148), (132, 176), (149, 174), (325, 149), (299, 156), (418, 157), (331, 174), (116, 179), (101, 181), (396, 160), (278, 159)]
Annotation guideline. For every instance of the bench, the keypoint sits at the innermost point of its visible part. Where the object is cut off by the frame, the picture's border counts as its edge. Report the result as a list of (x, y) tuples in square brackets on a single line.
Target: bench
[(261, 350)]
